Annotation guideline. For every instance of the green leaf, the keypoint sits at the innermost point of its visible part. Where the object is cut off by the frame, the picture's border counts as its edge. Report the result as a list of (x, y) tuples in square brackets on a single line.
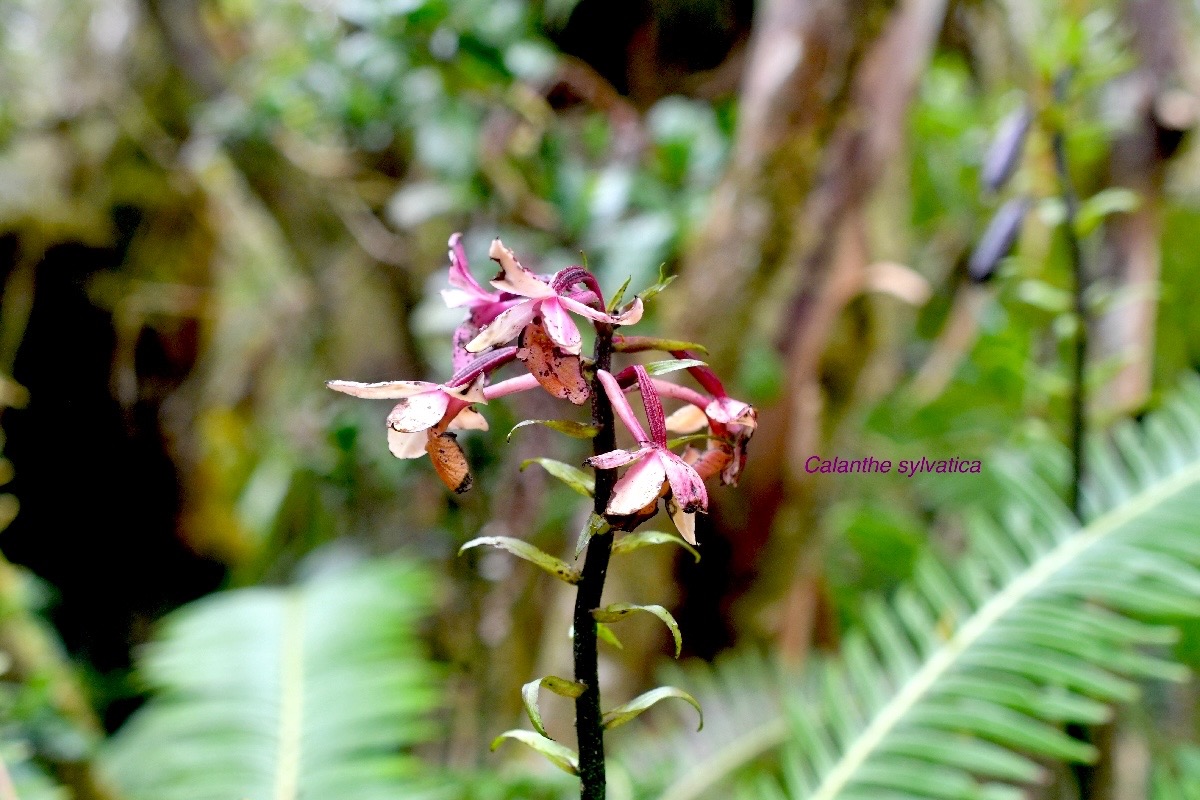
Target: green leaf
[(615, 302), (619, 611), (322, 687), (641, 344), (1093, 210), (689, 438), (973, 671), (632, 541), (672, 365), (534, 555), (562, 757), (663, 282), (574, 477), (605, 634), (595, 524), (624, 713), (560, 686), (576, 430)]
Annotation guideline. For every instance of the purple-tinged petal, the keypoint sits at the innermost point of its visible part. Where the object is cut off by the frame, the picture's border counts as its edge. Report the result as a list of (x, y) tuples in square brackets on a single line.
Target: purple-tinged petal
[(685, 522), (616, 458), (668, 389), (419, 412), (631, 315), (471, 393), (505, 327), (703, 374), (407, 445), (469, 419), (516, 279), (521, 383), (481, 364), (653, 406), (638, 487), (386, 390), (621, 406), (560, 326), (687, 487), (586, 311), (460, 356), (728, 411), (686, 419)]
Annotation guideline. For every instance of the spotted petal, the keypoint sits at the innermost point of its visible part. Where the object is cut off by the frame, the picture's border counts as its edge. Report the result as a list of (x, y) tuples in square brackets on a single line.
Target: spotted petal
[(516, 279), (687, 486), (505, 327), (419, 412), (638, 487), (630, 316), (616, 458), (560, 326), (386, 390)]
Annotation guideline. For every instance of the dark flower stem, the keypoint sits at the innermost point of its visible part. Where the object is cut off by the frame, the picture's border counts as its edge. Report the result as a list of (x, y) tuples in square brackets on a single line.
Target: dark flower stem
[(1079, 278), (588, 726)]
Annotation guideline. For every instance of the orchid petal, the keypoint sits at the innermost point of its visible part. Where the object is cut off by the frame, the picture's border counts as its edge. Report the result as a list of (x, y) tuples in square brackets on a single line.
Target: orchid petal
[(685, 522), (386, 390), (631, 315), (686, 484), (686, 419), (505, 327), (560, 326), (559, 373), (521, 383), (419, 412), (469, 419), (458, 298), (620, 405), (517, 280), (728, 411), (616, 458), (472, 393), (652, 405), (407, 445), (638, 487), (586, 311)]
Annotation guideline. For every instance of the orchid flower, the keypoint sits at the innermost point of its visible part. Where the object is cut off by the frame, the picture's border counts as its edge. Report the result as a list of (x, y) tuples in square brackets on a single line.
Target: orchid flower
[(482, 305), (550, 300), (424, 409), (732, 421), (653, 462)]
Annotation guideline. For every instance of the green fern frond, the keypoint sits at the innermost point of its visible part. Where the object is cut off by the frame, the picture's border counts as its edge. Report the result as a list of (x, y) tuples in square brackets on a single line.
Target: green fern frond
[(311, 691), (957, 687)]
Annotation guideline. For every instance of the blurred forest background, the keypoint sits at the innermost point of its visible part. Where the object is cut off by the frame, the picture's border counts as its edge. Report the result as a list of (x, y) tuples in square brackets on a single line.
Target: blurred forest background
[(210, 207)]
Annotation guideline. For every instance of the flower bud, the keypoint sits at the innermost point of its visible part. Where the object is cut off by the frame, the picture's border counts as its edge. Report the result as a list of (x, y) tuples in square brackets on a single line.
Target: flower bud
[(998, 240), (1004, 154)]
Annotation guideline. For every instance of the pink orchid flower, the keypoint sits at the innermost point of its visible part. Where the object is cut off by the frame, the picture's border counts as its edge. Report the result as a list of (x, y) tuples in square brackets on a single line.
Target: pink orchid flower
[(483, 306), (733, 421), (550, 300), (424, 407), (653, 463)]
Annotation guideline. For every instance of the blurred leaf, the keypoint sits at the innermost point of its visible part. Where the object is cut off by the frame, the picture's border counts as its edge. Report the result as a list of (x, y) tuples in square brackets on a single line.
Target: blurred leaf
[(595, 524), (576, 430), (628, 711), (574, 477), (1100, 205), (633, 541), (534, 555), (619, 611), (562, 757), (560, 686), (319, 688)]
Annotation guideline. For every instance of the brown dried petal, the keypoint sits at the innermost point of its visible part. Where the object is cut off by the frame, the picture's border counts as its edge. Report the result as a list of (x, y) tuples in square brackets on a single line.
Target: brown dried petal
[(559, 373), (449, 461)]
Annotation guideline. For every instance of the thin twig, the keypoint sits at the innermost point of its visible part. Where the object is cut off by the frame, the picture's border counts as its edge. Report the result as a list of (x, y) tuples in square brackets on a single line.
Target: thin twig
[(1079, 279)]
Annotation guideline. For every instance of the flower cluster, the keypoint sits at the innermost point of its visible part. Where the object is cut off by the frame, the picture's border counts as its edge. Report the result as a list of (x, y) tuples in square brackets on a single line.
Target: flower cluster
[(529, 319)]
